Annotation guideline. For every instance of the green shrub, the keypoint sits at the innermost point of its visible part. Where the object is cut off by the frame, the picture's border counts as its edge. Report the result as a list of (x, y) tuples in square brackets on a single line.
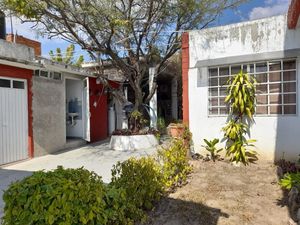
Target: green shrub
[(290, 180), (143, 184), (62, 196), (175, 166)]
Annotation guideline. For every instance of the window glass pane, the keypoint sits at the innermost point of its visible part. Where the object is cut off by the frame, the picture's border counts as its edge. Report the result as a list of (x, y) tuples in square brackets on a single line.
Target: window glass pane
[(275, 77), (262, 99), (261, 78), (43, 73), (223, 80), (213, 111), (261, 109), (213, 72), (274, 66), (290, 98), (289, 75), (275, 88), (290, 64), (245, 69), (222, 101), (235, 69), (56, 76), (224, 111), (223, 91), (262, 89), (275, 99), (4, 83), (276, 109), (213, 101), (213, 91), (223, 71), (18, 84), (261, 67), (213, 82), (250, 68), (289, 109), (289, 87), (36, 73)]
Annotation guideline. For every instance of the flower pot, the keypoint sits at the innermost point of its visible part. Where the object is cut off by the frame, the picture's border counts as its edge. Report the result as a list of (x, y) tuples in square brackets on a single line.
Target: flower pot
[(176, 131)]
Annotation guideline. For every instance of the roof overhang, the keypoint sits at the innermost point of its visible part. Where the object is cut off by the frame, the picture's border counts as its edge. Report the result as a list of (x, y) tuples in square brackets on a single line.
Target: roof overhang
[(20, 63), (293, 14)]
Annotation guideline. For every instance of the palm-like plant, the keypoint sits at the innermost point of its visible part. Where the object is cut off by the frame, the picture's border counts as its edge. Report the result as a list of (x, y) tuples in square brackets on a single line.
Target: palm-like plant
[(211, 147), (241, 100)]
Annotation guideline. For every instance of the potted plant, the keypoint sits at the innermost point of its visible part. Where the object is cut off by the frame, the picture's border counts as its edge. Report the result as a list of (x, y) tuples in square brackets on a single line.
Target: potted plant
[(176, 130)]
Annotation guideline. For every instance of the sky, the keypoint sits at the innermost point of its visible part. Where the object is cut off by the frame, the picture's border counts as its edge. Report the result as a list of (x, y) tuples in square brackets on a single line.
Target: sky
[(253, 9)]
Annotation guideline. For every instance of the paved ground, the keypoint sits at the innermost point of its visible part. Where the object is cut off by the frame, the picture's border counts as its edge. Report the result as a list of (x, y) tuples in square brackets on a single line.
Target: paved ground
[(97, 157)]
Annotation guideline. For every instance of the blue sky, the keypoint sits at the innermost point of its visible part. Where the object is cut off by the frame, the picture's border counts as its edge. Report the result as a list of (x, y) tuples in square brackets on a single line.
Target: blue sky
[(253, 9)]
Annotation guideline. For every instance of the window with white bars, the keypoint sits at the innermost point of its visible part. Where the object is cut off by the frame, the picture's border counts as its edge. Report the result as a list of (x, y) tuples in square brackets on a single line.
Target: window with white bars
[(276, 89)]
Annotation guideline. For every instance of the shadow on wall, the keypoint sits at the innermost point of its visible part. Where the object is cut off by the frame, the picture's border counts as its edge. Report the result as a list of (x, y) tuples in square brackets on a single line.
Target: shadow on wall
[(177, 212)]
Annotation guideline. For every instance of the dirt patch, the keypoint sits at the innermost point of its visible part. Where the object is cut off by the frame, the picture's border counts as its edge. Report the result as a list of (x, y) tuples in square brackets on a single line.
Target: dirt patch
[(223, 194)]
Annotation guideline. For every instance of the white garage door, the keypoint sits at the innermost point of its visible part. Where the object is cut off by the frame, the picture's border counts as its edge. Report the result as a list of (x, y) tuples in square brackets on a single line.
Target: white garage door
[(13, 120)]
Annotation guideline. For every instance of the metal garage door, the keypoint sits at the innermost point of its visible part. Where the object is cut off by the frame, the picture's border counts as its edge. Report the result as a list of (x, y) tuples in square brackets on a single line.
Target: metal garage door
[(13, 120)]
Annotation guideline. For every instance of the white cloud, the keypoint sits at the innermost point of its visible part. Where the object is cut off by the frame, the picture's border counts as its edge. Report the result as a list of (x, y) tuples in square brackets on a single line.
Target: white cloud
[(271, 8)]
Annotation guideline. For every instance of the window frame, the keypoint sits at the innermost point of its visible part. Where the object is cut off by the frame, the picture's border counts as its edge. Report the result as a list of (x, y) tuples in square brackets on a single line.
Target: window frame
[(267, 83)]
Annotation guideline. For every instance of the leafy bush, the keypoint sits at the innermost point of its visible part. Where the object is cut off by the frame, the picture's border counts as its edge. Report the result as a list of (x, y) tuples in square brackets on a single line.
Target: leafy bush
[(62, 196), (290, 180), (175, 166), (161, 125), (143, 184), (212, 149)]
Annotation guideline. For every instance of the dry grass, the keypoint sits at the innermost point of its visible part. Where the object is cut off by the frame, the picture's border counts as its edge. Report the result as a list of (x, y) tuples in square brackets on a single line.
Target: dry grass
[(220, 193)]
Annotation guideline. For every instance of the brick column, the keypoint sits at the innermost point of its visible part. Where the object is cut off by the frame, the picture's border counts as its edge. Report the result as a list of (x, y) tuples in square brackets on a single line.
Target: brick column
[(185, 80)]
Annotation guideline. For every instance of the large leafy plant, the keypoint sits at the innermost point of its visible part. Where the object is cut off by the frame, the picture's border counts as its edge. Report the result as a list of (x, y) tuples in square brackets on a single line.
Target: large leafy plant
[(290, 180), (241, 101)]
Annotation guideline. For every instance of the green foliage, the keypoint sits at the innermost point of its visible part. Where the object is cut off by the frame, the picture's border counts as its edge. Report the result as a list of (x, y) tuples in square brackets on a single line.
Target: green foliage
[(175, 166), (68, 58), (62, 196), (136, 121), (161, 125), (143, 184), (241, 99), (290, 180), (212, 149)]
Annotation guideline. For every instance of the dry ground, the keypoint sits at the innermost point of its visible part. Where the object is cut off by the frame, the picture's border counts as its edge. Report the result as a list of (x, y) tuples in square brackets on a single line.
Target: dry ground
[(220, 193)]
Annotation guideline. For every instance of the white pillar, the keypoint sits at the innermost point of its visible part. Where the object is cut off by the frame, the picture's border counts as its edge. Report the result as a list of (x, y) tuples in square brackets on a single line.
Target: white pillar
[(153, 101), (174, 100)]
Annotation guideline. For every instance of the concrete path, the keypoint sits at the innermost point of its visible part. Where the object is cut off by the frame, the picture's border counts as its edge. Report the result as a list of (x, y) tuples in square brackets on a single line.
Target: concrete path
[(96, 157)]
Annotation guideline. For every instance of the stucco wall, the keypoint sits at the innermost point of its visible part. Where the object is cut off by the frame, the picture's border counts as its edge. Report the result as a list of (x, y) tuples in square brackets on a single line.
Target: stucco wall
[(49, 120), (263, 39)]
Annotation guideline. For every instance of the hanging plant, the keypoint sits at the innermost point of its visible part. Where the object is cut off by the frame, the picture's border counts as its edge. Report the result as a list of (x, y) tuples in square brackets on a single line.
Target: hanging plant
[(241, 101)]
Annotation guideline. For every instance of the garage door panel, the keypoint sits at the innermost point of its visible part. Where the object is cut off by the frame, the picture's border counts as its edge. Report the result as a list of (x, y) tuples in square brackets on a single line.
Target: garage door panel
[(13, 124)]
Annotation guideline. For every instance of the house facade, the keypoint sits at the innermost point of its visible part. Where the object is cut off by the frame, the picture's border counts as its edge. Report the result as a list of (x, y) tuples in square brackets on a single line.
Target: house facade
[(266, 49), (46, 106)]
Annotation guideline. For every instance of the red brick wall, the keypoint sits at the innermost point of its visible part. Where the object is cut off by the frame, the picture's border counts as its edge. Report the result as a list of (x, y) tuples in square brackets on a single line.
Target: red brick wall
[(25, 41), (14, 72), (185, 80)]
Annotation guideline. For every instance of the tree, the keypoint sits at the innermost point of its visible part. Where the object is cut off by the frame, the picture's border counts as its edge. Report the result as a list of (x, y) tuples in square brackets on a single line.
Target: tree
[(128, 32), (68, 58)]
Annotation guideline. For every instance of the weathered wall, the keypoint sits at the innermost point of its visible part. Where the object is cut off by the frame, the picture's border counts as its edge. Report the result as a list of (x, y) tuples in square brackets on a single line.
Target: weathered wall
[(49, 120), (261, 39), (36, 45), (16, 51)]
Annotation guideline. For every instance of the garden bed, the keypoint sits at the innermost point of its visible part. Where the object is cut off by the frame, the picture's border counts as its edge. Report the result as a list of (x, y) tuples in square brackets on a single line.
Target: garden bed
[(219, 193)]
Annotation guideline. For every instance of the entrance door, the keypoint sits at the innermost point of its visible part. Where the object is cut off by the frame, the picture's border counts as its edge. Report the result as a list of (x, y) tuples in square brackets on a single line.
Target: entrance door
[(13, 120), (86, 110)]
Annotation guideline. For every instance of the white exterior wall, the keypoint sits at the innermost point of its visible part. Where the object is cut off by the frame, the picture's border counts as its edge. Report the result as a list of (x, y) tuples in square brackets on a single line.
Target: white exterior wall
[(264, 39)]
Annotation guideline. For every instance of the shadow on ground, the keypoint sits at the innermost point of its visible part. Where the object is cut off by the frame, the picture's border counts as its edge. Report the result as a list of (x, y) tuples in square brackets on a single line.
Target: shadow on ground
[(177, 212)]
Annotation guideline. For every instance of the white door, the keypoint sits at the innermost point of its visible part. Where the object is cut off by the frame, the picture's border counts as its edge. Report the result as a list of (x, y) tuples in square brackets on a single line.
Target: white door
[(86, 110), (13, 120)]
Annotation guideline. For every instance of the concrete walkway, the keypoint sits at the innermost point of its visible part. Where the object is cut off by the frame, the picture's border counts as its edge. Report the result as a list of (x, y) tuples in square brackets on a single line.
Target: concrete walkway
[(96, 157)]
